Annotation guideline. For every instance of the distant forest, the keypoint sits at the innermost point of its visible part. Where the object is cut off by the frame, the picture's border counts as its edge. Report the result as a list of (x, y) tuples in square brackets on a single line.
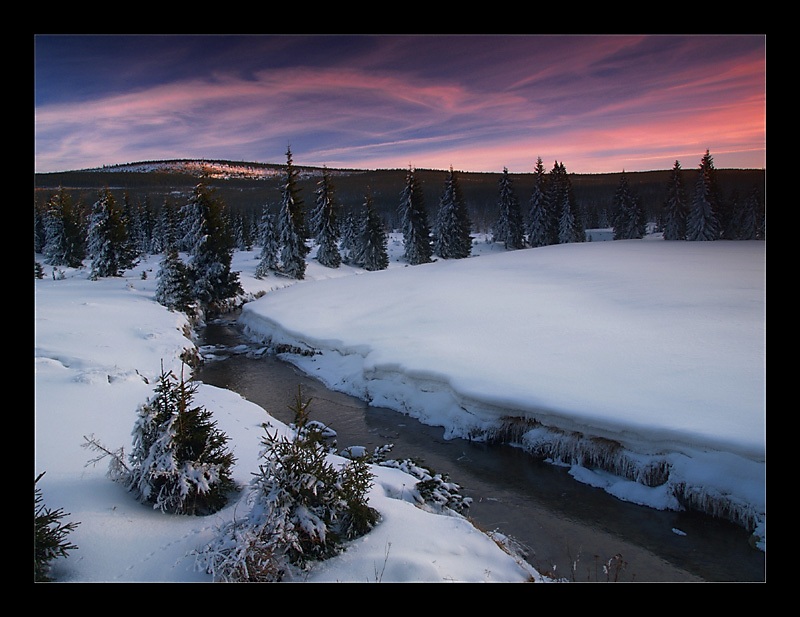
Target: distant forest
[(594, 194)]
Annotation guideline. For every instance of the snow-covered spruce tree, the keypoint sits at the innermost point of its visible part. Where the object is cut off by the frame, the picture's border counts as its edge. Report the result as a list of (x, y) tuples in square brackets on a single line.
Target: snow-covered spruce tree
[(49, 535), (538, 227), (747, 217), (370, 246), (146, 216), (109, 243), (568, 200), (558, 195), (303, 509), (701, 222), (292, 231), (165, 231), (326, 223), (350, 230), (133, 224), (39, 235), (674, 225), (414, 222), (566, 225), (509, 227), (211, 253), (629, 217), (452, 238), (240, 229), (174, 288), (64, 232), (269, 246), (179, 461)]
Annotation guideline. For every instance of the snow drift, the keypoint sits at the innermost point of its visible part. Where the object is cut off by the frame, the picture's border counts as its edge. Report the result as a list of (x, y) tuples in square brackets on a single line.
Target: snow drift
[(642, 358)]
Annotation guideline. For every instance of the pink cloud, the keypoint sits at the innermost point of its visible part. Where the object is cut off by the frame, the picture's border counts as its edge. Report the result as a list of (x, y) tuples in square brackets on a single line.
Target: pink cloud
[(372, 118)]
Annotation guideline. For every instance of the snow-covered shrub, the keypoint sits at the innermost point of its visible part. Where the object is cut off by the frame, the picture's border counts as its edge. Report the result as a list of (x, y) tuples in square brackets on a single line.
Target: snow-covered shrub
[(179, 461), (433, 489), (303, 509)]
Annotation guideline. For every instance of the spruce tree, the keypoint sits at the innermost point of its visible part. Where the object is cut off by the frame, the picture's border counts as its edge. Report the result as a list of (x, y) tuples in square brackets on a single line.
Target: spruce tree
[(509, 227), (174, 288), (147, 226), (538, 217), (326, 223), (269, 246), (49, 535), (292, 231), (452, 238), (349, 242), (555, 197), (64, 233), (165, 231), (179, 462), (303, 509), (566, 225), (39, 233), (131, 220), (242, 239), (629, 217), (414, 222), (674, 224), (560, 196), (109, 242), (212, 250), (370, 252), (702, 223), (748, 217)]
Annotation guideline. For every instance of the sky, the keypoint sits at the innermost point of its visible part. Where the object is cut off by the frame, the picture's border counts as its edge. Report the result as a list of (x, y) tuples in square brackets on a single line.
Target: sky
[(596, 103)]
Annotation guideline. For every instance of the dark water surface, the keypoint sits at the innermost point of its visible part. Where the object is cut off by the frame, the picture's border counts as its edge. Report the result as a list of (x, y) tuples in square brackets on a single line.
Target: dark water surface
[(563, 526)]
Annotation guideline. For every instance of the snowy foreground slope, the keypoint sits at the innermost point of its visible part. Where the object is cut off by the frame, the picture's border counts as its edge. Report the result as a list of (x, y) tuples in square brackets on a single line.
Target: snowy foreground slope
[(658, 346), (99, 346), (641, 358)]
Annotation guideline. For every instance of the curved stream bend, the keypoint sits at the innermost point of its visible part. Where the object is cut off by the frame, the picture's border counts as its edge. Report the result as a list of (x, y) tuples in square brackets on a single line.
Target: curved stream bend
[(564, 527)]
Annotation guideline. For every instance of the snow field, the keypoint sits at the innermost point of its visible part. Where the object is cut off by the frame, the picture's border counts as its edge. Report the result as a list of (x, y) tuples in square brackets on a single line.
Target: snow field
[(99, 346), (657, 346)]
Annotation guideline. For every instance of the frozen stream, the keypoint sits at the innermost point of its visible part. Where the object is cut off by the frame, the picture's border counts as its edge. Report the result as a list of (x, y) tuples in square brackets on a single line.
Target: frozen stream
[(558, 521)]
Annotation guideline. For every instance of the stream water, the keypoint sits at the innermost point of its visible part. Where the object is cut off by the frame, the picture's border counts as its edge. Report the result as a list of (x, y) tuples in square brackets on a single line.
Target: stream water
[(563, 526)]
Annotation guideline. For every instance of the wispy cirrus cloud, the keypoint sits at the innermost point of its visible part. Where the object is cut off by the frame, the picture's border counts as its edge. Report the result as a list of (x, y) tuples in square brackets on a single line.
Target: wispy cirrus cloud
[(477, 103)]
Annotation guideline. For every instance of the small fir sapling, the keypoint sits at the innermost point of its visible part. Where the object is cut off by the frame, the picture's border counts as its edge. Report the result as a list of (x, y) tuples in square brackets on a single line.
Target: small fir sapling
[(50, 534), (179, 462), (304, 507)]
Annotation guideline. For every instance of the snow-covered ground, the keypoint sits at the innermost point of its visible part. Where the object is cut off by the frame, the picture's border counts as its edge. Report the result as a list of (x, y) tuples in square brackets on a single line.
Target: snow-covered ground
[(658, 346), (99, 347), (645, 358)]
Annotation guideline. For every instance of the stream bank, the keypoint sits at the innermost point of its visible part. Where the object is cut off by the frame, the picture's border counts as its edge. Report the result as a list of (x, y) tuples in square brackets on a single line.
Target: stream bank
[(564, 527)]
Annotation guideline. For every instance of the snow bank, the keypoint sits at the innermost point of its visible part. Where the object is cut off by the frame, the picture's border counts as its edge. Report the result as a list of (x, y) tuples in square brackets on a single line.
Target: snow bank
[(656, 349), (99, 348)]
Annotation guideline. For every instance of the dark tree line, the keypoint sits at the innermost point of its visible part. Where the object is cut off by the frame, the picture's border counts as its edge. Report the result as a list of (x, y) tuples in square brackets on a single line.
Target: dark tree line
[(115, 235), (706, 214), (553, 215)]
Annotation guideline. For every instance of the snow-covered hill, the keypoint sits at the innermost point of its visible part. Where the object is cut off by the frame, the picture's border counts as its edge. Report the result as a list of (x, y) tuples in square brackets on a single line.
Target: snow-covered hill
[(217, 170), (213, 169)]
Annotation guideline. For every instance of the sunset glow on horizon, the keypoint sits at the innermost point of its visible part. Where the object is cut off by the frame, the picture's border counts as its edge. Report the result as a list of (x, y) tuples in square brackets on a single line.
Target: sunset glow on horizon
[(599, 104)]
